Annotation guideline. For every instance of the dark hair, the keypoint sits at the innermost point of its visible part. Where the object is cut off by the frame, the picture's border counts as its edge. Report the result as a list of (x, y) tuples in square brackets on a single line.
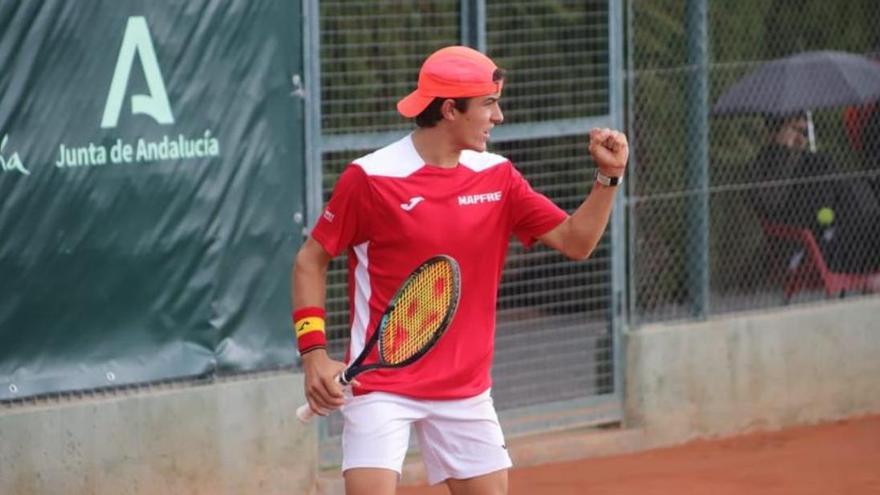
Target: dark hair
[(775, 123), (431, 114)]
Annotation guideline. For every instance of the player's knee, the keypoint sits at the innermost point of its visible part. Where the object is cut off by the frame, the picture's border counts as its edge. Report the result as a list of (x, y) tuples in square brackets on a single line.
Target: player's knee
[(494, 483), (370, 481)]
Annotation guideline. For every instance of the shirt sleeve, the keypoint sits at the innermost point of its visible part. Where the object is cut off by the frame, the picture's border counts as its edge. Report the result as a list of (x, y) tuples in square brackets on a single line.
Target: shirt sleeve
[(533, 213), (343, 222)]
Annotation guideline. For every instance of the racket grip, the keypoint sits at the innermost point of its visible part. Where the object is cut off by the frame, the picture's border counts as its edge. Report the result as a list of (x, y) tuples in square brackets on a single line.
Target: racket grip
[(305, 413)]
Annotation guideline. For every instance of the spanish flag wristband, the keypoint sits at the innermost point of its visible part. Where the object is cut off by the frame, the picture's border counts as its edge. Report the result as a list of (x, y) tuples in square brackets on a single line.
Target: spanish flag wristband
[(309, 325)]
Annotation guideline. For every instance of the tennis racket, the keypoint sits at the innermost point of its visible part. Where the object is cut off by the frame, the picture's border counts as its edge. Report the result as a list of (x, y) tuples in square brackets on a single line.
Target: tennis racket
[(415, 319)]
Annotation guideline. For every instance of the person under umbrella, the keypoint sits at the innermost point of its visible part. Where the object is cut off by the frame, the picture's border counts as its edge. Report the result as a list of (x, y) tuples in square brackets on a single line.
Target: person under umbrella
[(798, 187)]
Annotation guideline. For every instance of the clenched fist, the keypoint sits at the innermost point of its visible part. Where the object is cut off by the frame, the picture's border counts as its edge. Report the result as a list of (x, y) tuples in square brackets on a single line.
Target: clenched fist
[(610, 151)]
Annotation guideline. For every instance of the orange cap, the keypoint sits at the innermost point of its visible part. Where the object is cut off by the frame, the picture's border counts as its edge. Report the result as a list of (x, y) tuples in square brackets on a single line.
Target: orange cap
[(451, 72)]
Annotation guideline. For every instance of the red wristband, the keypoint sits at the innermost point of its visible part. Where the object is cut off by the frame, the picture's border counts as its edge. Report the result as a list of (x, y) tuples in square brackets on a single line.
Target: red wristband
[(308, 323)]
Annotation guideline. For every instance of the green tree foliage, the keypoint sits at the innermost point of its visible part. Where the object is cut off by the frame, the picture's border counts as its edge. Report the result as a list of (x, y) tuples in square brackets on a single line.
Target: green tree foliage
[(742, 35)]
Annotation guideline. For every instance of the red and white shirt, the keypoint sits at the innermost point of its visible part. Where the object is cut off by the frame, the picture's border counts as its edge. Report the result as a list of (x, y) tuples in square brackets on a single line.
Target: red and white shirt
[(392, 211)]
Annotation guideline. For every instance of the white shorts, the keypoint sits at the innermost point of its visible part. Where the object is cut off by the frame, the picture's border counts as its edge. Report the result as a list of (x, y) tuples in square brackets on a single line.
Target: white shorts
[(459, 439)]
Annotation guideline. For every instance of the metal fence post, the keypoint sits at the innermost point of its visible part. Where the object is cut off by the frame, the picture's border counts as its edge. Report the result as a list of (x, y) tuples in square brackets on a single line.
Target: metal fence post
[(616, 87), (473, 24), (696, 27), (312, 70)]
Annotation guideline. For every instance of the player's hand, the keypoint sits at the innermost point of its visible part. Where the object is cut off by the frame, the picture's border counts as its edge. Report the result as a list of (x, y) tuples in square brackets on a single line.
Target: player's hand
[(610, 151), (323, 392)]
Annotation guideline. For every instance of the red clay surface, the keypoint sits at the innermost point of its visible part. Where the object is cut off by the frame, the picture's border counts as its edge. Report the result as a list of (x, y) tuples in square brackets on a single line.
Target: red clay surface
[(835, 458)]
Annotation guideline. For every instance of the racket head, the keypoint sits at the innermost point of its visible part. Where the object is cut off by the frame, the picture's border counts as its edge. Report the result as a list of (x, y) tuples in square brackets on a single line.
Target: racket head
[(420, 312)]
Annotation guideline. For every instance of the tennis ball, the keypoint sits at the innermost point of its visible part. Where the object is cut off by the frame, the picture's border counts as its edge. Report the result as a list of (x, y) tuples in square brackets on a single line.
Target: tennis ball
[(825, 216)]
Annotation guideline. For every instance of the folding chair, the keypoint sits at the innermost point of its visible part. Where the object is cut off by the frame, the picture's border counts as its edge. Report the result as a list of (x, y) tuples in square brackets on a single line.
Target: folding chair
[(811, 271)]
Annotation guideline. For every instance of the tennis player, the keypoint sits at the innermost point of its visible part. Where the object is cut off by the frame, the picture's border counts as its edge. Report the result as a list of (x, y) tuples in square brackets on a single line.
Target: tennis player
[(436, 191)]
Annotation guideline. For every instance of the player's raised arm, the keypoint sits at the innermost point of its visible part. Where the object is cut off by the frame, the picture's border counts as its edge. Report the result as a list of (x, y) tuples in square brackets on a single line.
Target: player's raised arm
[(579, 234)]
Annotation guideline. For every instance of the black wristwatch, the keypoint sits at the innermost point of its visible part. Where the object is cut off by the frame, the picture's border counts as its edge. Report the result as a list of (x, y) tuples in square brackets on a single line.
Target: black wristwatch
[(607, 181)]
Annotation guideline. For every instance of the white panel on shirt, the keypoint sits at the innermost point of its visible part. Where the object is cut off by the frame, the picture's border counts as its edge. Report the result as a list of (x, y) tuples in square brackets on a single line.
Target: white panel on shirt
[(400, 159), (480, 161), (361, 304)]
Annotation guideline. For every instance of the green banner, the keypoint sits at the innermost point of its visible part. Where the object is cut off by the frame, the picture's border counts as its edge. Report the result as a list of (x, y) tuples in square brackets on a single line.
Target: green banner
[(151, 164)]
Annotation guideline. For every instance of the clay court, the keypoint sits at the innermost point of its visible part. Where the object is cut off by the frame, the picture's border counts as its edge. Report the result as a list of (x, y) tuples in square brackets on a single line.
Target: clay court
[(833, 458)]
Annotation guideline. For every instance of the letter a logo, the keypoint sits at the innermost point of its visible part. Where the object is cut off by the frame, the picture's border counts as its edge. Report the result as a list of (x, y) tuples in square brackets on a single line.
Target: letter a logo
[(137, 41)]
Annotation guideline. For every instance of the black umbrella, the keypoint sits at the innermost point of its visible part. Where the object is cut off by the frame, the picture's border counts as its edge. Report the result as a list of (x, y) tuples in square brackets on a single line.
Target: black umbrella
[(804, 81)]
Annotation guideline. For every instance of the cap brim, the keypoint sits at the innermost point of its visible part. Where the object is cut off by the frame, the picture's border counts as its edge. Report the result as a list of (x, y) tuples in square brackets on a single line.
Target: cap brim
[(413, 104)]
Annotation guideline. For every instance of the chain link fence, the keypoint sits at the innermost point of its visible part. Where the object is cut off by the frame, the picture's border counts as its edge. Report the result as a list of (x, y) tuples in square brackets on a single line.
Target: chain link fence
[(556, 54), (830, 193), (370, 55)]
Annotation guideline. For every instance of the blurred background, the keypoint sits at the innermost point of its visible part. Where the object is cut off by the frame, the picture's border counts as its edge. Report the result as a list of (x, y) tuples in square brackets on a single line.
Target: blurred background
[(168, 267)]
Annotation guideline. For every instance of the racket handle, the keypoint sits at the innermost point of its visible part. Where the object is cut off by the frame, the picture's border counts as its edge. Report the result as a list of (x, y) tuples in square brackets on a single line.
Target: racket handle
[(305, 413)]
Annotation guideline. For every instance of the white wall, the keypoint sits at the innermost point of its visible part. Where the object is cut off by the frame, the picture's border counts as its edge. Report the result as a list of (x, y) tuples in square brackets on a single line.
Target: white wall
[(232, 437), (754, 371)]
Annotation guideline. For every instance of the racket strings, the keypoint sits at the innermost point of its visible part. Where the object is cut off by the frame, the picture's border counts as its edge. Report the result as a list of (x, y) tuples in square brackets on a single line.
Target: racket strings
[(418, 314)]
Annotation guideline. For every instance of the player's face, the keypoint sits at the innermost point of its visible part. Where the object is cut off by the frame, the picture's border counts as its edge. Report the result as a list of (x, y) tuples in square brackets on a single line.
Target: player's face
[(473, 126)]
